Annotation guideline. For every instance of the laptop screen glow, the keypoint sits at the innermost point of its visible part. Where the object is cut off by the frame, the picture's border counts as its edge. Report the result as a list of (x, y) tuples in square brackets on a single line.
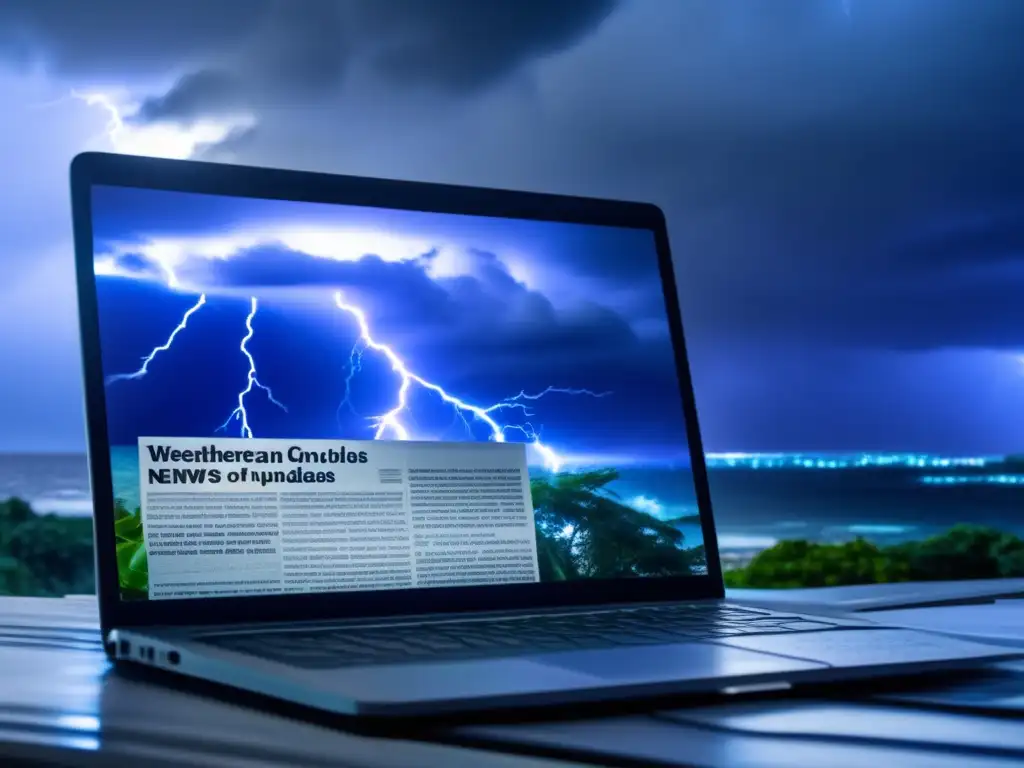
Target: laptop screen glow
[(307, 397)]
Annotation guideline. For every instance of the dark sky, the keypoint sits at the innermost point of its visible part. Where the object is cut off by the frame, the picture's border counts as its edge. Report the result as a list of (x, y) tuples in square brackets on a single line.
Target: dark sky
[(585, 312), (844, 179)]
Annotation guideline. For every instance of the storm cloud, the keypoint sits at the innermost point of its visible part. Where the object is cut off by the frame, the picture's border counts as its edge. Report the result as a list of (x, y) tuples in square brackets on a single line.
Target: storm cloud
[(248, 52)]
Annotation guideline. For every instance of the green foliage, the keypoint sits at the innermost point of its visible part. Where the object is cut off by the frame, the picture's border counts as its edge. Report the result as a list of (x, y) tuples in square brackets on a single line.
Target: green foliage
[(963, 552), (52, 556), (805, 564), (44, 555), (685, 520), (584, 531), (132, 563)]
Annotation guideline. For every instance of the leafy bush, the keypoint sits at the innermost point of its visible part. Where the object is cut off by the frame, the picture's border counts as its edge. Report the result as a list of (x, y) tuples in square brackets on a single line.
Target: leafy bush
[(584, 531), (44, 555), (132, 562), (963, 552)]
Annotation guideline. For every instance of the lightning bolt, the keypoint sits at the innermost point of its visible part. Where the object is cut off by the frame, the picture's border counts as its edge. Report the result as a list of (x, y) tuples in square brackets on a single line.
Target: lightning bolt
[(240, 414), (160, 139), (144, 368), (115, 125), (355, 365), (390, 421), (516, 400)]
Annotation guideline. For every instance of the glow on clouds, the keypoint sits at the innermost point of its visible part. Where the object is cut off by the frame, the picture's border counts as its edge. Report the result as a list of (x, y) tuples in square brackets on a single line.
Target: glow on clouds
[(167, 140), (173, 255), (176, 141)]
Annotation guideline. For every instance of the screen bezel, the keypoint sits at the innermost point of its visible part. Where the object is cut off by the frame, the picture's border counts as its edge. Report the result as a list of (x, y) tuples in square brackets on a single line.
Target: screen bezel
[(95, 169)]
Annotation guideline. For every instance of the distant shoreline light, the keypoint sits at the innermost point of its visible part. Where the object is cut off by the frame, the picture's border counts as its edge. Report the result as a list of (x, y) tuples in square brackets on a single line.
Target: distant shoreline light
[(1001, 479), (818, 461)]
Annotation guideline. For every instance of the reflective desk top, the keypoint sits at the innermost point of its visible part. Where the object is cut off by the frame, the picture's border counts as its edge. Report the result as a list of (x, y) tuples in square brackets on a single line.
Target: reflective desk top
[(60, 701)]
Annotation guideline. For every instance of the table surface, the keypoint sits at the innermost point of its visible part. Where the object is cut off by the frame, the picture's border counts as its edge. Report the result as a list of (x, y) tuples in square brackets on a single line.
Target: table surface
[(61, 700)]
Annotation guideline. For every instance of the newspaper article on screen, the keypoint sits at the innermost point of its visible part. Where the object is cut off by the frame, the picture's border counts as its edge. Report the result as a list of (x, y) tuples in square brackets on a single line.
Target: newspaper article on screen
[(256, 516)]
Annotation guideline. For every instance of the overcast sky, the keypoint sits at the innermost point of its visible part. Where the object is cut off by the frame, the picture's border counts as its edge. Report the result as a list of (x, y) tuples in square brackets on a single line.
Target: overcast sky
[(844, 180)]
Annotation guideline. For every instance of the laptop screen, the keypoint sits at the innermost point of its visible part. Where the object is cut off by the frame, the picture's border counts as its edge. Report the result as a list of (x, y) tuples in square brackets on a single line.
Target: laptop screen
[(321, 398)]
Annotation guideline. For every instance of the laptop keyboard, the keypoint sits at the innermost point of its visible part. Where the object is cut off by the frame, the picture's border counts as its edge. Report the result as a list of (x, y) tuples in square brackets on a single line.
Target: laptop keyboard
[(331, 648)]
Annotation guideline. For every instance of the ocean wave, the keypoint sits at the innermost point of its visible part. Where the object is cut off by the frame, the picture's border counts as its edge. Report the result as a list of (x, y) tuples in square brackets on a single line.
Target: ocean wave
[(657, 508), (879, 530), (67, 504), (745, 541), (647, 504)]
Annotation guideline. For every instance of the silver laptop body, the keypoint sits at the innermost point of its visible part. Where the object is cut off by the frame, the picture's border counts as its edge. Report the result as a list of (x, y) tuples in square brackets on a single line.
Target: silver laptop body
[(435, 551)]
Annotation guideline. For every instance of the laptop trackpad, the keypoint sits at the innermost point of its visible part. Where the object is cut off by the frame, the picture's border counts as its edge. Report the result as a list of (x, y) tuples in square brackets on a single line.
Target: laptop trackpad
[(683, 661), (870, 647)]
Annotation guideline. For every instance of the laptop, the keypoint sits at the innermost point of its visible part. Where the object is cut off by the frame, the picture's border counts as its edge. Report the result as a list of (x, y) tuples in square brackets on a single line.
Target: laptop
[(397, 449)]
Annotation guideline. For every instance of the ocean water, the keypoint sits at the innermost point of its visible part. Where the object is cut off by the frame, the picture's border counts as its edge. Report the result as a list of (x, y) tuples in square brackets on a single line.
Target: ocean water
[(887, 505), (53, 483)]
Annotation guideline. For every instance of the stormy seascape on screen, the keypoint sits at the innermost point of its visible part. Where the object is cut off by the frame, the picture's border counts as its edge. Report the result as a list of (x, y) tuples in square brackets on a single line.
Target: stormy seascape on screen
[(240, 318)]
